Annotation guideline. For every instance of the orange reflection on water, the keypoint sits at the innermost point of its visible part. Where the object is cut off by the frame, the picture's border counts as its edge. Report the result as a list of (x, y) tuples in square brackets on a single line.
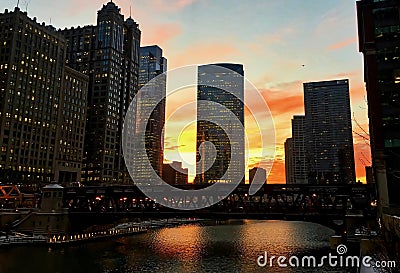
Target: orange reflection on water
[(184, 243), (275, 237)]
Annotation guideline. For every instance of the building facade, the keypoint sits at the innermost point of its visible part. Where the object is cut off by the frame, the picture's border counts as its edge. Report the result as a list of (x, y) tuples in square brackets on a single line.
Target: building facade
[(152, 74), (71, 126), (300, 163), (328, 132), (174, 174), (42, 104), (214, 82), (378, 32), (289, 171), (109, 54), (296, 163)]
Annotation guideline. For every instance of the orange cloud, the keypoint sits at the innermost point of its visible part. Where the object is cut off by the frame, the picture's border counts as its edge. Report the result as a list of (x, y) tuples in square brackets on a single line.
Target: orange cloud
[(343, 44), (277, 174), (203, 53), (345, 75), (160, 34), (289, 104)]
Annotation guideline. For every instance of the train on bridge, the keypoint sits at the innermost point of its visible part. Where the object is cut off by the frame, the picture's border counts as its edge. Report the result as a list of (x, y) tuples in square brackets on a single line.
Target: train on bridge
[(62, 210)]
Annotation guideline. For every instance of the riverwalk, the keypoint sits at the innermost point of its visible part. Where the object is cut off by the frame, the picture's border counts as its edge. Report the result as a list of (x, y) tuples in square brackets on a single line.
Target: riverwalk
[(124, 229)]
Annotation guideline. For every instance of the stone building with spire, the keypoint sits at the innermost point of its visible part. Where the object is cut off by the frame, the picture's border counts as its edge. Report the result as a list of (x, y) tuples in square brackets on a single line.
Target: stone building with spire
[(109, 54)]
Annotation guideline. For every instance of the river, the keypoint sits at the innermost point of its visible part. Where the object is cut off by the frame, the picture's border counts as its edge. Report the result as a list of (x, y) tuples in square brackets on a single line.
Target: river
[(229, 247)]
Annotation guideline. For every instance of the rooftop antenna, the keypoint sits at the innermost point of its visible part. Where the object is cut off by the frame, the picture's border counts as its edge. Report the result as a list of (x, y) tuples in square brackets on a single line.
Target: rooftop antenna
[(130, 11), (26, 2), (17, 3)]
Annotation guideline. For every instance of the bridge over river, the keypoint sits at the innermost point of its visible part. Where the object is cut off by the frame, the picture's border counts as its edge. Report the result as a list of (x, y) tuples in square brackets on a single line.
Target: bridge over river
[(328, 205)]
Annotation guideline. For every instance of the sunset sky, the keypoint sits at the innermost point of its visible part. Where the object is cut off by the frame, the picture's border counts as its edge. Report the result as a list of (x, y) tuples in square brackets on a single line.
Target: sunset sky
[(272, 39)]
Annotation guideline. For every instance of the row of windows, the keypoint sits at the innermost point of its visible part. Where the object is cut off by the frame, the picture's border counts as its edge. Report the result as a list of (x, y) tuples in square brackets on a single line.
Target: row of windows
[(26, 169)]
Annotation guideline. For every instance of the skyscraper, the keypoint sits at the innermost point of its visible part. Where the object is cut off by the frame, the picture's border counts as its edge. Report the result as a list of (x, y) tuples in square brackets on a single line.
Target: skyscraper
[(328, 137), (71, 126), (296, 164), (289, 170), (378, 32), (109, 54), (214, 82), (42, 104), (300, 163), (152, 67)]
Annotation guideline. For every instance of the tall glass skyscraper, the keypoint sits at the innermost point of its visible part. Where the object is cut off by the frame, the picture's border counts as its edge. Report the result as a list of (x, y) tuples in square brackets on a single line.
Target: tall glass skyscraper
[(214, 82), (328, 132), (151, 73), (109, 54)]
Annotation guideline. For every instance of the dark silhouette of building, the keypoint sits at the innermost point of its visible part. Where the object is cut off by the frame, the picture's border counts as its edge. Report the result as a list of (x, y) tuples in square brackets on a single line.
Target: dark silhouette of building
[(296, 164), (300, 163), (152, 68), (214, 82), (259, 174), (109, 54), (328, 132), (289, 171), (369, 175), (378, 32), (174, 174), (42, 104)]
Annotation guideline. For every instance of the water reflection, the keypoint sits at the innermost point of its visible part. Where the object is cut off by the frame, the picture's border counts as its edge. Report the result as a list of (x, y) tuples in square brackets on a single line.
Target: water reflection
[(233, 247), (280, 238), (185, 244)]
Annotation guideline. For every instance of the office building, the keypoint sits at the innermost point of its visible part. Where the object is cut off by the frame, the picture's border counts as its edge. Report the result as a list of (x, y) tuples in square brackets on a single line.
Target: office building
[(300, 163), (289, 171), (42, 104), (174, 174), (378, 33), (221, 84), (152, 74), (109, 54), (328, 132), (71, 126), (296, 164)]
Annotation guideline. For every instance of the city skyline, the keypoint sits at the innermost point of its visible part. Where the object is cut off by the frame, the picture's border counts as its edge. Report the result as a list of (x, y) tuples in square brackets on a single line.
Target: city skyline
[(279, 75), (199, 136)]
